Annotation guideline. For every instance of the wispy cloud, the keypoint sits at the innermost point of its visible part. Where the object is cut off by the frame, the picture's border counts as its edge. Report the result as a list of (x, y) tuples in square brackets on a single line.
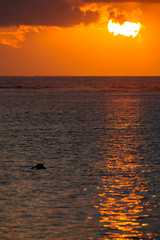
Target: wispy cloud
[(16, 38), (123, 16)]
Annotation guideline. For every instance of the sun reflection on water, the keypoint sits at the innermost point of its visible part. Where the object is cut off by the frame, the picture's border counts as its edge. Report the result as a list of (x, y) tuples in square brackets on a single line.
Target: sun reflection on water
[(121, 190)]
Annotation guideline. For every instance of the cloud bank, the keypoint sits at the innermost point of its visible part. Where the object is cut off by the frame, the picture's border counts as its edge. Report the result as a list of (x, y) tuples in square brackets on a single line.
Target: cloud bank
[(61, 13), (43, 12)]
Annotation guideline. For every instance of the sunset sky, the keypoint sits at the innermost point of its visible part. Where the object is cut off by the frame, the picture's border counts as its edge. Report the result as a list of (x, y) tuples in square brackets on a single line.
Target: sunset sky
[(71, 37)]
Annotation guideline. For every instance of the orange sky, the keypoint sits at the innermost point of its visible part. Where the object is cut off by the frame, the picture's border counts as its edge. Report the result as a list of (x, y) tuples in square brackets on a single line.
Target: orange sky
[(84, 47)]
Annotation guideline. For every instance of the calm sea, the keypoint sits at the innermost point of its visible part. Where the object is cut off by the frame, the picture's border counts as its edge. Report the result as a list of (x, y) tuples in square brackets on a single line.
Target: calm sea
[(99, 139)]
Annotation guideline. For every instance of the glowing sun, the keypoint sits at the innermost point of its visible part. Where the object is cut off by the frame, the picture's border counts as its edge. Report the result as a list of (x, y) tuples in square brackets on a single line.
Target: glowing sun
[(126, 29)]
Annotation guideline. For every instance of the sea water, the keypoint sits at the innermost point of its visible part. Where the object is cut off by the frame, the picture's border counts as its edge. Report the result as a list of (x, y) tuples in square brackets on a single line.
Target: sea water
[(99, 139)]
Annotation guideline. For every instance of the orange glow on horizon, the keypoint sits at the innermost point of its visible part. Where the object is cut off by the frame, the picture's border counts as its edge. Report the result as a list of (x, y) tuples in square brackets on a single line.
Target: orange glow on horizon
[(126, 29)]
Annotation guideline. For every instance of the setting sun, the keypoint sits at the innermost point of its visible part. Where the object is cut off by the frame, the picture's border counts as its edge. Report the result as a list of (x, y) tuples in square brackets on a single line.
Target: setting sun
[(126, 29)]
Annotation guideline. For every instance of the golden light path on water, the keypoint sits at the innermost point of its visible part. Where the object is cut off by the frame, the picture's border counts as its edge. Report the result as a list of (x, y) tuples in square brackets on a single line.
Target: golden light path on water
[(126, 29), (122, 189)]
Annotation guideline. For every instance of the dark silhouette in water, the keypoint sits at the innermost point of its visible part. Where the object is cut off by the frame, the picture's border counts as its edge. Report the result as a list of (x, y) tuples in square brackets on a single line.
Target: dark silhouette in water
[(39, 166)]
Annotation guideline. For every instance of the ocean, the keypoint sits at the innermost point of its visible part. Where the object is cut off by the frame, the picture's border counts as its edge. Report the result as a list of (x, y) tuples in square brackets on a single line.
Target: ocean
[(99, 139)]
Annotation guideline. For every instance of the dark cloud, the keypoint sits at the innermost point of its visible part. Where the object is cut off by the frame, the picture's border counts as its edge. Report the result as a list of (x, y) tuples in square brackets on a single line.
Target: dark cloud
[(43, 12), (62, 13)]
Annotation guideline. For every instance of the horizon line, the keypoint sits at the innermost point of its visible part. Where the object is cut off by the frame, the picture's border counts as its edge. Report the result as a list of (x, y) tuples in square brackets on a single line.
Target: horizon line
[(79, 75)]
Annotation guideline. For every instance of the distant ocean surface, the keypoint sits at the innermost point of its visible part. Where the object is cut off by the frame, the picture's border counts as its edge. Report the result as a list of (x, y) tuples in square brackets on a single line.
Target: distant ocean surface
[(104, 83), (99, 139)]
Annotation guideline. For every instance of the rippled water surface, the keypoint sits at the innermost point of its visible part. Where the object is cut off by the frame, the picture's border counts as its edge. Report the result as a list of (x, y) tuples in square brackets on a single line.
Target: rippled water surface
[(101, 153)]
